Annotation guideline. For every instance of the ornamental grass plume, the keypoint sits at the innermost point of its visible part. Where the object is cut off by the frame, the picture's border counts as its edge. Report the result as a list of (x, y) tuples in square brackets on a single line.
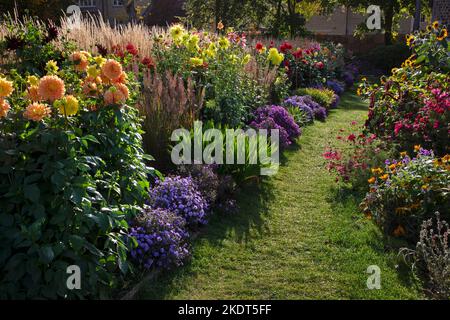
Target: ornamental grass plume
[(168, 103), (97, 35), (264, 75), (51, 88), (37, 112)]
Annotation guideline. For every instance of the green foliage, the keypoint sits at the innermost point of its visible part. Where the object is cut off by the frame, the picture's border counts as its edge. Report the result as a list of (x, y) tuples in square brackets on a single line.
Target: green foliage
[(387, 57), (300, 117), (280, 89), (324, 97), (409, 192), (411, 106), (251, 168), (32, 44), (278, 17), (44, 9), (68, 186)]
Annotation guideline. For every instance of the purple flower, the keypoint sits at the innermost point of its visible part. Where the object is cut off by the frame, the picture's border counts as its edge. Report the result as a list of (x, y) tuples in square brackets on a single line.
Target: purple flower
[(335, 86), (424, 152), (336, 100), (277, 117), (348, 78), (181, 196), (312, 109), (162, 240)]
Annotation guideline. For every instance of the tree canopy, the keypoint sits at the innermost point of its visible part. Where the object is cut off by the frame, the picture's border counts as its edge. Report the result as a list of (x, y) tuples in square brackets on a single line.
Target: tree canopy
[(44, 9)]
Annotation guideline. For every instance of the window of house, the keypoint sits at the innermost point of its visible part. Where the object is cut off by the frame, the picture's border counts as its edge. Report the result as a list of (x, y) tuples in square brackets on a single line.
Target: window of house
[(118, 3), (87, 3)]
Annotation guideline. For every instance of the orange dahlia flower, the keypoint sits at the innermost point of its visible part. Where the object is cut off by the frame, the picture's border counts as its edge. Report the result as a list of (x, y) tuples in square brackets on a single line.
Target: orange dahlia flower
[(112, 69), (33, 94), (37, 112), (51, 88), (114, 96), (4, 108), (81, 61), (123, 89)]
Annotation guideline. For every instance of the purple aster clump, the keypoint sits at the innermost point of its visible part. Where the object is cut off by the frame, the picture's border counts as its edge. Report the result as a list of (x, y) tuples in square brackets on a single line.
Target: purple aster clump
[(320, 113), (335, 86), (277, 117), (312, 109), (348, 78), (181, 196), (353, 68), (269, 124), (335, 103), (299, 102), (161, 237), (206, 179)]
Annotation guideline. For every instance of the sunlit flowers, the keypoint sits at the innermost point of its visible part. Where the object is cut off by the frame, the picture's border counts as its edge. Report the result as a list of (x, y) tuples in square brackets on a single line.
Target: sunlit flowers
[(33, 80), (176, 31), (68, 106), (409, 40), (260, 47), (123, 89), (4, 108), (6, 88), (192, 43), (435, 25), (37, 112), (51, 88), (114, 96), (33, 94), (51, 67), (80, 59), (443, 34), (246, 59), (196, 62), (112, 69), (93, 72), (275, 57), (224, 43)]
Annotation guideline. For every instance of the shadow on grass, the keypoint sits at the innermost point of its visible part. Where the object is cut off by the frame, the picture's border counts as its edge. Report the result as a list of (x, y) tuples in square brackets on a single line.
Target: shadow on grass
[(375, 239), (352, 102), (253, 199)]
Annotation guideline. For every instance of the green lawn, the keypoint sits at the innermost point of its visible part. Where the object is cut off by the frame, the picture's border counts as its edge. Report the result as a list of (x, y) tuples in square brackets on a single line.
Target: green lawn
[(292, 239)]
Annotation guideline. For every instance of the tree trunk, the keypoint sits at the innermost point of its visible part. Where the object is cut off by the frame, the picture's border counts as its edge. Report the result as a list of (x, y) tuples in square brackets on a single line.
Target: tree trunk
[(217, 13), (388, 23), (417, 16), (291, 12)]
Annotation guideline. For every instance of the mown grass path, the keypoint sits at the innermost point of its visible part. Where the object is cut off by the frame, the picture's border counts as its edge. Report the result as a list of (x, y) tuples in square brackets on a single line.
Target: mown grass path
[(291, 239)]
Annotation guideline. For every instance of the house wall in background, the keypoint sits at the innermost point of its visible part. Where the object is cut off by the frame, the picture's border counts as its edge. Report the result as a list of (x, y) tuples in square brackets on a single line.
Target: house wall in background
[(441, 11)]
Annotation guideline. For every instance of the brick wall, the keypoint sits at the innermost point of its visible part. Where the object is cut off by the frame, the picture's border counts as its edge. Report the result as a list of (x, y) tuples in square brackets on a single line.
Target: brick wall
[(441, 11)]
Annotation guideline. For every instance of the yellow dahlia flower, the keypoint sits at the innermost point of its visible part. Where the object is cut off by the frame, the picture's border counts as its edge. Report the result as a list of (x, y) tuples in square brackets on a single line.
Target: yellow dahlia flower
[(68, 106)]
